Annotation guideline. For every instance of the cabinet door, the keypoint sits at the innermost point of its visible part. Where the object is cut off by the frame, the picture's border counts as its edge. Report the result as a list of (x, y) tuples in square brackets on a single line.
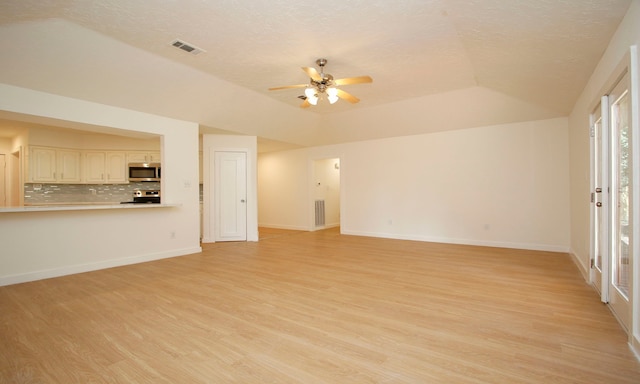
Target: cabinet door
[(143, 157), (94, 167), (136, 157), (154, 157), (68, 168), (43, 165), (116, 167)]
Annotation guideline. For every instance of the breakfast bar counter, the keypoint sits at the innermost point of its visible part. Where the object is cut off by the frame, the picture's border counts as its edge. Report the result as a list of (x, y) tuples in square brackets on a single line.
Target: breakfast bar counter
[(81, 207)]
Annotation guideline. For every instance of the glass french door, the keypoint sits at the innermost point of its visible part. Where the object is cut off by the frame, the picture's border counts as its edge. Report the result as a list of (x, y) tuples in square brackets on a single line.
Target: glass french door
[(620, 208), (612, 200)]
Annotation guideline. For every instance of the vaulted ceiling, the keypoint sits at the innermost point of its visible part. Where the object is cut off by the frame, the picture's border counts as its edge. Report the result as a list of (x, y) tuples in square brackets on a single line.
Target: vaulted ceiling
[(538, 52)]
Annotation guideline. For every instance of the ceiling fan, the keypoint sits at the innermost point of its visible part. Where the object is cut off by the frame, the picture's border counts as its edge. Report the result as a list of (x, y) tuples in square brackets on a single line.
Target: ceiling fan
[(321, 84)]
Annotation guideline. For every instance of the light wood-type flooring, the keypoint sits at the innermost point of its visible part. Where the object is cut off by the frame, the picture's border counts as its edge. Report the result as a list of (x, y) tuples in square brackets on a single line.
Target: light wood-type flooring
[(317, 307)]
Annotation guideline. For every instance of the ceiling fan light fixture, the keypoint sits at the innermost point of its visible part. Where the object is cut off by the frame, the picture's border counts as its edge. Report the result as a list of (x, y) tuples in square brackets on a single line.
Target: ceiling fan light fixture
[(332, 95), (310, 92), (323, 85)]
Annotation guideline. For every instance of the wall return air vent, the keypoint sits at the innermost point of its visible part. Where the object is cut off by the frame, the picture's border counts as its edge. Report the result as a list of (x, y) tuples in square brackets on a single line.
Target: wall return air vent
[(192, 49)]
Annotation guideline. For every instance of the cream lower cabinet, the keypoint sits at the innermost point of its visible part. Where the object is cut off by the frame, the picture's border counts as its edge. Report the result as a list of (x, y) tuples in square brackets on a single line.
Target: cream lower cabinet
[(50, 165), (105, 167)]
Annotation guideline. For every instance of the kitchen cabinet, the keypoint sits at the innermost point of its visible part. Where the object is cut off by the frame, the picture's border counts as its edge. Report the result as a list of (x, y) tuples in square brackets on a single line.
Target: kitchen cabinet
[(51, 165), (143, 157), (94, 163), (68, 166), (74, 166), (116, 167), (105, 167), (43, 165)]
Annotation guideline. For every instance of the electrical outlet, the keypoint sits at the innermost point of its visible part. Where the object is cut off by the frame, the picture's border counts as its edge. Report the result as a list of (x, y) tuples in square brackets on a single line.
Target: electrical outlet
[(172, 235)]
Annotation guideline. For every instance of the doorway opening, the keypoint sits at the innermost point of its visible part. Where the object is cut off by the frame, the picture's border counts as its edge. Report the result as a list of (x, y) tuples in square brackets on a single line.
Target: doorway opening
[(326, 193)]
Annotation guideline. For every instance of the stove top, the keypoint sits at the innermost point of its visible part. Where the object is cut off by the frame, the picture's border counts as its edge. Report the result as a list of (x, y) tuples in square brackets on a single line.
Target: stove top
[(144, 197)]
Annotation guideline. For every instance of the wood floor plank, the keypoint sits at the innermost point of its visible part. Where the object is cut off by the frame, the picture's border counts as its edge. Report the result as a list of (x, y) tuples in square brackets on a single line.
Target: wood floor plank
[(317, 307)]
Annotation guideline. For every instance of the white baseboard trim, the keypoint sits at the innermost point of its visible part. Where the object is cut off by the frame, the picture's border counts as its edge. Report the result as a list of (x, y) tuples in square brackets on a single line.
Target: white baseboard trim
[(586, 273), (635, 347), (277, 226), (81, 268), (327, 226), (481, 243)]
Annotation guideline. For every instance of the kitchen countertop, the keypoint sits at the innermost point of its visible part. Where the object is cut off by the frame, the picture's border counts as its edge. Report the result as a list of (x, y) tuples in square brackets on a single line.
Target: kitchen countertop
[(82, 207)]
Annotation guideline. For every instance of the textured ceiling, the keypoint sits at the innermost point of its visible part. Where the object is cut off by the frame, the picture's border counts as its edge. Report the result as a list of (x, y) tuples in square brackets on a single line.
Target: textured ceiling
[(538, 51)]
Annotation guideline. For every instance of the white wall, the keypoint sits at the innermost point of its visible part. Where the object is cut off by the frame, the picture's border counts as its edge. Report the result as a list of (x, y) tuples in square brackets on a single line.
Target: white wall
[(283, 190), (79, 140), (45, 244), (628, 34), (5, 145), (504, 185), (608, 69)]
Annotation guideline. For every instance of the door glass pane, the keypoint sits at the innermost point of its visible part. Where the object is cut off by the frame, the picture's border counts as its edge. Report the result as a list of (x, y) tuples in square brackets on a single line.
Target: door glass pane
[(622, 193)]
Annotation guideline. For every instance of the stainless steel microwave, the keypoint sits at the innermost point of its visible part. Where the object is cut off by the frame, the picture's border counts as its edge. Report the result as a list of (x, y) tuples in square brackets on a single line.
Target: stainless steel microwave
[(144, 172)]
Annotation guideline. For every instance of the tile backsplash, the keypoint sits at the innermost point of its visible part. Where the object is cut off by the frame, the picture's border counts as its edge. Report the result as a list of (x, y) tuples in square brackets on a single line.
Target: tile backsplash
[(83, 193)]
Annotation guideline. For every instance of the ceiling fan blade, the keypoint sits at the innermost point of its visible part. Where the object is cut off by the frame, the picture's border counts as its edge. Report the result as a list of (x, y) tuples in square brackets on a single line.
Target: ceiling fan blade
[(347, 96), (312, 73), (305, 104), (353, 80), (289, 87)]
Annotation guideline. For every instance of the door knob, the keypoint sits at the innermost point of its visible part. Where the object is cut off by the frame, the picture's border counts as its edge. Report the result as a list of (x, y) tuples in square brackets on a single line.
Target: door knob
[(242, 201)]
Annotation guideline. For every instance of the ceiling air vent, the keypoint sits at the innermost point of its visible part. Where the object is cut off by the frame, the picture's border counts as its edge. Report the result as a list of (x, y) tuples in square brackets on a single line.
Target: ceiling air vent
[(192, 49)]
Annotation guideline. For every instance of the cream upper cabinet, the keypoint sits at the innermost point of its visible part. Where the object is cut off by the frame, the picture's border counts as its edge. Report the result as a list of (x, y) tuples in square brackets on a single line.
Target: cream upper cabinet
[(116, 167), (50, 165), (69, 166), (155, 157), (105, 167), (94, 171), (61, 165), (42, 165), (143, 157)]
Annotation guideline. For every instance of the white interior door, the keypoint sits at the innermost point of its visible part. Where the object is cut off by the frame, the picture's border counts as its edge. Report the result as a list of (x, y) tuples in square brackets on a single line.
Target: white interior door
[(230, 191)]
